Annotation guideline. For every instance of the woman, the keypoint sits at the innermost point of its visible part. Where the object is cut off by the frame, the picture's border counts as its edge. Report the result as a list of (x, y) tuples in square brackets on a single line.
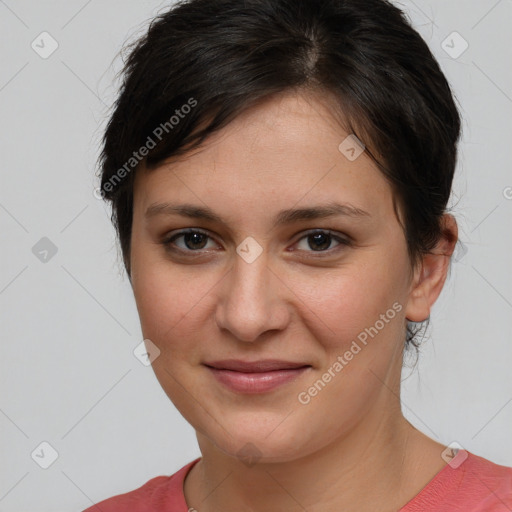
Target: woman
[(279, 172)]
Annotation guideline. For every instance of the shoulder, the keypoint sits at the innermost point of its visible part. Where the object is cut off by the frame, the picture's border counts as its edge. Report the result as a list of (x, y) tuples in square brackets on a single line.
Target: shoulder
[(137, 500), (468, 483), (496, 475), (485, 485), (158, 494)]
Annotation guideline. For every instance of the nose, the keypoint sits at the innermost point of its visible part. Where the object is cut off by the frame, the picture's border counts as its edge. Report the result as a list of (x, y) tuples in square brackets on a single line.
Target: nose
[(252, 300)]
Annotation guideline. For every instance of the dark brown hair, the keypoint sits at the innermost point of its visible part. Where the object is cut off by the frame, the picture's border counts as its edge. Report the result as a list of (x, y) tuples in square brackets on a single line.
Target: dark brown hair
[(203, 62)]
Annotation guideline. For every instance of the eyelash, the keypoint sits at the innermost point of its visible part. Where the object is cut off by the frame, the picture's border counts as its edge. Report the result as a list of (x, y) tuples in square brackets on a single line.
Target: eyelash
[(167, 242)]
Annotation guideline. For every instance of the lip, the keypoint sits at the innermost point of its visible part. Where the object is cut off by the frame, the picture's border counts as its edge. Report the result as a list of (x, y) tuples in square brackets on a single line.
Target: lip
[(263, 365), (256, 376)]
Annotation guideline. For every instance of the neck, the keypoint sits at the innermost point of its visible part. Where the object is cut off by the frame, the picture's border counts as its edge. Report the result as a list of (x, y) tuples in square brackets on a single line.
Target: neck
[(384, 460)]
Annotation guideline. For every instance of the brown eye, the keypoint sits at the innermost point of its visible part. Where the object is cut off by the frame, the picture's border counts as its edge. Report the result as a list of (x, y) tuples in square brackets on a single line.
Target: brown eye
[(192, 240), (321, 241)]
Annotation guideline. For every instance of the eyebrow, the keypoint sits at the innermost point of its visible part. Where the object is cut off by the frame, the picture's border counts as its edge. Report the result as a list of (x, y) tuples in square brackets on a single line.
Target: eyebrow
[(283, 217)]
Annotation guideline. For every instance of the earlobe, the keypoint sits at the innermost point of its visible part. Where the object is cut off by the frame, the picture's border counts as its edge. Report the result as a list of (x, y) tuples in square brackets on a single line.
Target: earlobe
[(430, 275), (418, 308)]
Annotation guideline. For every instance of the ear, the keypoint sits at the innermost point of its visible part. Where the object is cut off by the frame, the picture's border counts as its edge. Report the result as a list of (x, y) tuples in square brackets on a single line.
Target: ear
[(430, 273)]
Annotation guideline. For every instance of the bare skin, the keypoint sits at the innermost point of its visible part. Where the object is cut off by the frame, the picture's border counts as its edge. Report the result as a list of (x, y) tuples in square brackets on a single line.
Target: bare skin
[(346, 447)]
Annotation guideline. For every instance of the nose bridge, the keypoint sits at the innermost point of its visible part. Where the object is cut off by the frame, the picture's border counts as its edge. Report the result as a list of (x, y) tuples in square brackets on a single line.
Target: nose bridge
[(249, 306)]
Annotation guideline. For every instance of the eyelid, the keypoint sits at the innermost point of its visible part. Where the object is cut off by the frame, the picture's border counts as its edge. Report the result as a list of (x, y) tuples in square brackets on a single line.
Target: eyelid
[(342, 239), (331, 232), (167, 239)]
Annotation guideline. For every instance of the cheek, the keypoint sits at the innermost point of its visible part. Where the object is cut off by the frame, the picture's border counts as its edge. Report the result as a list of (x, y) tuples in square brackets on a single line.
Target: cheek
[(165, 298), (175, 307), (364, 309), (348, 303), (171, 305)]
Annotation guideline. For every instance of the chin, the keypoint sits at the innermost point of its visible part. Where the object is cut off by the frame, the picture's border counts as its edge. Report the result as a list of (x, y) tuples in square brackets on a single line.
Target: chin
[(258, 443)]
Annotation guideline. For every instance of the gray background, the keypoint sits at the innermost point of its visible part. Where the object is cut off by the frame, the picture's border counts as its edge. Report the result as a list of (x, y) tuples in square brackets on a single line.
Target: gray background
[(69, 324)]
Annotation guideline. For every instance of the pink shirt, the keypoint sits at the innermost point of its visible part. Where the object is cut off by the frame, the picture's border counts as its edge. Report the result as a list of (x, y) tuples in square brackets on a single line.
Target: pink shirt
[(476, 485)]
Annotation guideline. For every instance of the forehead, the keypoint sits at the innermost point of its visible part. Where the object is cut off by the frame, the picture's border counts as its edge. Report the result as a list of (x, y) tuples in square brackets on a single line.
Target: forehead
[(284, 149)]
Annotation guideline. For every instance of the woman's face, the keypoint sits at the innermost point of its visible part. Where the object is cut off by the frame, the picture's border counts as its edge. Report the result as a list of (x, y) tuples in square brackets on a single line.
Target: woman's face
[(255, 284)]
